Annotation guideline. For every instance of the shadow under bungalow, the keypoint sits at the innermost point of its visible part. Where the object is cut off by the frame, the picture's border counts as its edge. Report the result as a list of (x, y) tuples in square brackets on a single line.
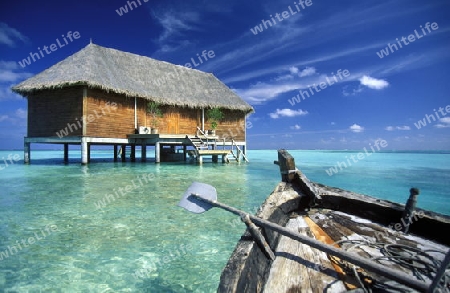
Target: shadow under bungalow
[(103, 96)]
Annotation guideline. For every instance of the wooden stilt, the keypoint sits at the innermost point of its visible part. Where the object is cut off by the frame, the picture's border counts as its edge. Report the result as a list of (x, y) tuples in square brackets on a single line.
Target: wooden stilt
[(26, 152), (89, 152), (133, 153), (143, 152), (157, 152), (66, 153), (185, 152), (84, 151), (115, 152), (215, 158), (124, 153)]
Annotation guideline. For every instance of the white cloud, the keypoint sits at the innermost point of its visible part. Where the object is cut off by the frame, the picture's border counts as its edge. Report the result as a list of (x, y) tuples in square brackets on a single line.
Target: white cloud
[(263, 92), (7, 73), (287, 113), (351, 92), (392, 128), (293, 70), (10, 36), (307, 71), (10, 65), (356, 128), (8, 77), (296, 127), (176, 23), (7, 94), (333, 123), (445, 123), (3, 117), (373, 83), (21, 113)]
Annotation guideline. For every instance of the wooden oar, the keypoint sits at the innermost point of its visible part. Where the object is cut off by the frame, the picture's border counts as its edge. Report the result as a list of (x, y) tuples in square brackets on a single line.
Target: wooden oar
[(200, 197), (193, 202)]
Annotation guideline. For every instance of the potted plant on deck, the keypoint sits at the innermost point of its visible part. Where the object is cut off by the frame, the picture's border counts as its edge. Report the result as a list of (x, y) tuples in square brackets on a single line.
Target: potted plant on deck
[(155, 112), (214, 115)]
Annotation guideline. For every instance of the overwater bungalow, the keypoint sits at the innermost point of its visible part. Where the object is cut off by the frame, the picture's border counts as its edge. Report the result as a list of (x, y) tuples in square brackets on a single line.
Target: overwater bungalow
[(103, 96)]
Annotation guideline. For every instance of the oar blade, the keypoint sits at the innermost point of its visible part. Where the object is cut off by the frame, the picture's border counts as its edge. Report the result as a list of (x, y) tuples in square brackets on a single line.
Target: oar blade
[(194, 204)]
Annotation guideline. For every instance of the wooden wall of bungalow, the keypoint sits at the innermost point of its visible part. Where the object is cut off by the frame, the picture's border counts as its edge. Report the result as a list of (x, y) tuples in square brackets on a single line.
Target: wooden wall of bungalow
[(107, 114)]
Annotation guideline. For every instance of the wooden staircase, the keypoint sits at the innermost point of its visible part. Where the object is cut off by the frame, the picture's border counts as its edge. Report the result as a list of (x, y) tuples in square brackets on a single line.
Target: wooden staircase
[(198, 143), (208, 146)]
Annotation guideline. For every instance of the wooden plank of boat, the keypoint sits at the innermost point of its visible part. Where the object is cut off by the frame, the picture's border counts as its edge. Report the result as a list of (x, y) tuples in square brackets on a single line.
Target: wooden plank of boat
[(300, 268), (408, 253), (349, 280)]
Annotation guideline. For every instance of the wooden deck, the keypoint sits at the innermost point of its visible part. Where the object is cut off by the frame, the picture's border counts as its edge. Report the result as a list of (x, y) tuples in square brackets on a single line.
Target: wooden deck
[(177, 142)]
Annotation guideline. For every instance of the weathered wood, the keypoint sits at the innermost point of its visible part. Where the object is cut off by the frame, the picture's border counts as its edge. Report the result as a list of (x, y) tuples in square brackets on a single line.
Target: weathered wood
[(383, 212), (300, 268), (368, 239), (408, 212), (287, 165), (259, 238), (248, 267)]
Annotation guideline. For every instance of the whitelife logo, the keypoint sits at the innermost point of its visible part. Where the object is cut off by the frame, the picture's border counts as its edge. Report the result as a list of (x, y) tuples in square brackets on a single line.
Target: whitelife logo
[(265, 24), (359, 156), (296, 99), (411, 38), (53, 47)]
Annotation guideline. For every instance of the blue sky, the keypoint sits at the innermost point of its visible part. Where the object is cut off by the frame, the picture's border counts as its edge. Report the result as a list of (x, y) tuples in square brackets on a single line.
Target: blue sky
[(305, 44)]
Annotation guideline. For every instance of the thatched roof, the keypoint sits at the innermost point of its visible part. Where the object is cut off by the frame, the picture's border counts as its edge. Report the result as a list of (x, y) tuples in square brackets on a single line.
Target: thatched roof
[(136, 76)]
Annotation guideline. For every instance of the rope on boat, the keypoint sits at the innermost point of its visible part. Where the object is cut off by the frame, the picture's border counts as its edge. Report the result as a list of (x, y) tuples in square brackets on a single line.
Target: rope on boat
[(420, 262)]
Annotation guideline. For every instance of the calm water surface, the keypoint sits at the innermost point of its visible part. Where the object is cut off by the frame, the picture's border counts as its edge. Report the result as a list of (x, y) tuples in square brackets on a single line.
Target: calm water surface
[(99, 228)]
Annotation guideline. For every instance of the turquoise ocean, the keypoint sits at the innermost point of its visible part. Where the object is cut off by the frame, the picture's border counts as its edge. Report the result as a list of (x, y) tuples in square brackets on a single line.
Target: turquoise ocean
[(102, 228)]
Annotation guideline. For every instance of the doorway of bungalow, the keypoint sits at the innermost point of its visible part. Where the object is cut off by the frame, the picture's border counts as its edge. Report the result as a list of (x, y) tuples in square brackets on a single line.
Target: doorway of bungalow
[(173, 122)]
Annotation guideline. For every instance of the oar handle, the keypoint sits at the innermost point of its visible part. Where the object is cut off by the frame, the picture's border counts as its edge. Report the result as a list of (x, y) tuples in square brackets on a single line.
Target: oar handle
[(364, 263)]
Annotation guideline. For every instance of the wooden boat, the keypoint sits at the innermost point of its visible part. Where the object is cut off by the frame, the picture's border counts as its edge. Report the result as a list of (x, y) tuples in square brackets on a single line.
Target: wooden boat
[(395, 239)]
